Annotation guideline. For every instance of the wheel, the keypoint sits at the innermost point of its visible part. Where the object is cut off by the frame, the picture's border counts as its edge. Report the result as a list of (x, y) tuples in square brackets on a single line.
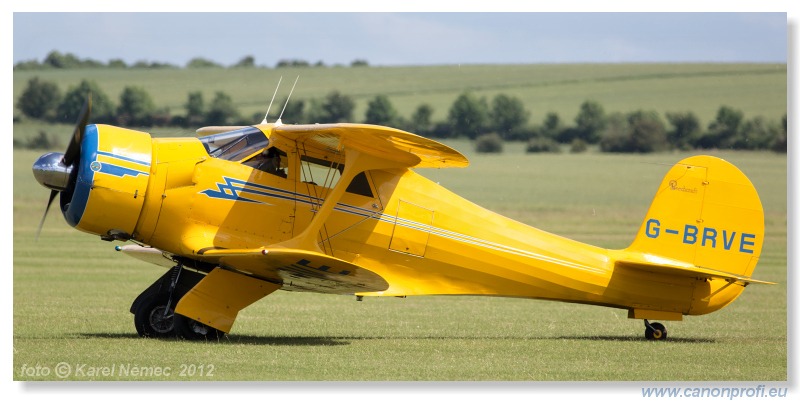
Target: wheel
[(655, 331), (153, 318), (191, 329)]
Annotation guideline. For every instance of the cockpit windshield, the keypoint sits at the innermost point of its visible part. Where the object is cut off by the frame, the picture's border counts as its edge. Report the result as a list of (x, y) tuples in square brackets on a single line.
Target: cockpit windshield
[(235, 145)]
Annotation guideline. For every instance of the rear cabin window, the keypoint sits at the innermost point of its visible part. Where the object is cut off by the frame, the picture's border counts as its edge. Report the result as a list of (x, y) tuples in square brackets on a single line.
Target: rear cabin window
[(325, 173)]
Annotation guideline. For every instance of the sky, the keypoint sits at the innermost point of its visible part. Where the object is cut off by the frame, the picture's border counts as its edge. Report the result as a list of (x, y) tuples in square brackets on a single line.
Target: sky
[(404, 38)]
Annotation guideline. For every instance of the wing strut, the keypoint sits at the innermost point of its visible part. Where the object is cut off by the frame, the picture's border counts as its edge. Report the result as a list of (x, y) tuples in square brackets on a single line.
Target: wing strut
[(355, 163)]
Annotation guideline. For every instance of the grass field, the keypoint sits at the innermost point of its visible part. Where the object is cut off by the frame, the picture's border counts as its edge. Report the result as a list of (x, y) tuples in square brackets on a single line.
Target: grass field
[(756, 89), (72, 293)]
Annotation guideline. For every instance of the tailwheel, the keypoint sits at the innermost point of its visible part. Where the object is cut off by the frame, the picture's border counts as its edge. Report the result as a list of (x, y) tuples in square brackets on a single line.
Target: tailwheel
[(654, 331), (154, 317), (191, 329)]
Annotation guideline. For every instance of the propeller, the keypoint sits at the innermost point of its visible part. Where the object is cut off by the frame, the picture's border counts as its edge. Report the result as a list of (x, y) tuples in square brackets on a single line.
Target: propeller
[(74, 147), (52, 170), (53, 194)]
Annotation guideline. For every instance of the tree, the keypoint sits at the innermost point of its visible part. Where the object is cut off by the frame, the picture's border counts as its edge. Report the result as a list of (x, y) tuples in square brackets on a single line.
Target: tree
[(117, 64), (41, 142), (685, 130), (722, 129), (615, 132), (647, 132), (199, 62), (468, 115), (293, 111), (551, 127), (136, 107), (780, 143), (195, 109), (508, 115), (247, 61), (540, 144), (40, 99), (489, 143), (32, 64), (221, 111), (638, 132), (70, 107), (67, 61), (334, 108), (421, 122), (291, 63), (756, 134), (60, 61), (590, 122), (381, 112)]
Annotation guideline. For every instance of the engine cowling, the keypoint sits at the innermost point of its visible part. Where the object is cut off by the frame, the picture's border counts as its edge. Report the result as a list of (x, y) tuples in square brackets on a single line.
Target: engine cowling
[(108, 185)]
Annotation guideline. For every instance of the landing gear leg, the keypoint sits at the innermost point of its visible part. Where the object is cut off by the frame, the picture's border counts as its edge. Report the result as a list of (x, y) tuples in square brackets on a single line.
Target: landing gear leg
[(154, 314), (654, 331), (154, 309)]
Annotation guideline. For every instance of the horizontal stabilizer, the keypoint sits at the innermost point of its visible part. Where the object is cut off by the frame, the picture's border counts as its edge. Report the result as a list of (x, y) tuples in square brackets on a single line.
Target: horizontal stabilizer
[(686, 270)]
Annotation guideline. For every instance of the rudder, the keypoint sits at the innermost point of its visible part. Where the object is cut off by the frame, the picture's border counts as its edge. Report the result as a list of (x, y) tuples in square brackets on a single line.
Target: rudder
[(706, 213)]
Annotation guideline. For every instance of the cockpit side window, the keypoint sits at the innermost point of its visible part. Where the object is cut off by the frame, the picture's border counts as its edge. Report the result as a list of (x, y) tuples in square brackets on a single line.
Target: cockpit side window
[(235, 145), (271, 160)]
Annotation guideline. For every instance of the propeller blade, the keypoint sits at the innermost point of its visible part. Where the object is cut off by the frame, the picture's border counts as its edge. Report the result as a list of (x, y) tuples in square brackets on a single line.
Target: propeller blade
[(74, 147), (53, 194)]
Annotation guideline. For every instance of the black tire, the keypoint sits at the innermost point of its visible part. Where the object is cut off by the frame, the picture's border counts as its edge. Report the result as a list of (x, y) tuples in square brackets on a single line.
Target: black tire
[(191, 329), (656, 331), (153, 318)]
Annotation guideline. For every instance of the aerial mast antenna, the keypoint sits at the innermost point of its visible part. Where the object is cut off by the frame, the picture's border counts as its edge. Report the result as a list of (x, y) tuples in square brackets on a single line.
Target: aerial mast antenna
[(278, 122), (263, 122)]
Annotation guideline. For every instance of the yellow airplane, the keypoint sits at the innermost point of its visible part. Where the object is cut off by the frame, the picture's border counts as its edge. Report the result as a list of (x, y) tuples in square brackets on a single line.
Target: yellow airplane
[(240, 212)]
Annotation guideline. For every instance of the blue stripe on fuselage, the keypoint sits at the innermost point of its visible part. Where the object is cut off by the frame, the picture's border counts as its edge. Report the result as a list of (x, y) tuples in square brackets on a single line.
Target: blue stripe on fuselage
[(119, 171)]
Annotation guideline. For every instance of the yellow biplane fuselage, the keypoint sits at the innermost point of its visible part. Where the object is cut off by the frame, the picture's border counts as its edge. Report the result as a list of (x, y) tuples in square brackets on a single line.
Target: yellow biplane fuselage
[(339, 215)]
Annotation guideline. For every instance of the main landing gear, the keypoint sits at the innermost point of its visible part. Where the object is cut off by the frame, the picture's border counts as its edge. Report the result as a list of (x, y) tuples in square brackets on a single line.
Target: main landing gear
[(654, 331), (154, 309)]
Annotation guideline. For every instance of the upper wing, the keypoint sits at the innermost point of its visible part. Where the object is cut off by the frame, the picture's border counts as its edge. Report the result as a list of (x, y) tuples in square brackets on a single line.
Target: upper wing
[(383, 142), (301, 270)]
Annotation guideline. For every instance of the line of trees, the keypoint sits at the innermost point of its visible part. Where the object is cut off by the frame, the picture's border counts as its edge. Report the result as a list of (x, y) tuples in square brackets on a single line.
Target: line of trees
[(58, 60), (489, 123)]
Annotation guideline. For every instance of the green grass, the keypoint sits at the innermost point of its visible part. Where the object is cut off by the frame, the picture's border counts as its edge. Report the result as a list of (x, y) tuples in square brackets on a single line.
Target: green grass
[(756, 89), (72, 292)]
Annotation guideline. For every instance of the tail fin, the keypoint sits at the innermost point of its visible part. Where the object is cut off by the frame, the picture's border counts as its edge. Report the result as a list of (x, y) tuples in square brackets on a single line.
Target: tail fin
[(706, 214)]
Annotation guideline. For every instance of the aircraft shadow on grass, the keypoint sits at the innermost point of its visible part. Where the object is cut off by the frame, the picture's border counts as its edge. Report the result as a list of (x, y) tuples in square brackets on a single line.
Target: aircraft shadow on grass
[(347, 340)]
